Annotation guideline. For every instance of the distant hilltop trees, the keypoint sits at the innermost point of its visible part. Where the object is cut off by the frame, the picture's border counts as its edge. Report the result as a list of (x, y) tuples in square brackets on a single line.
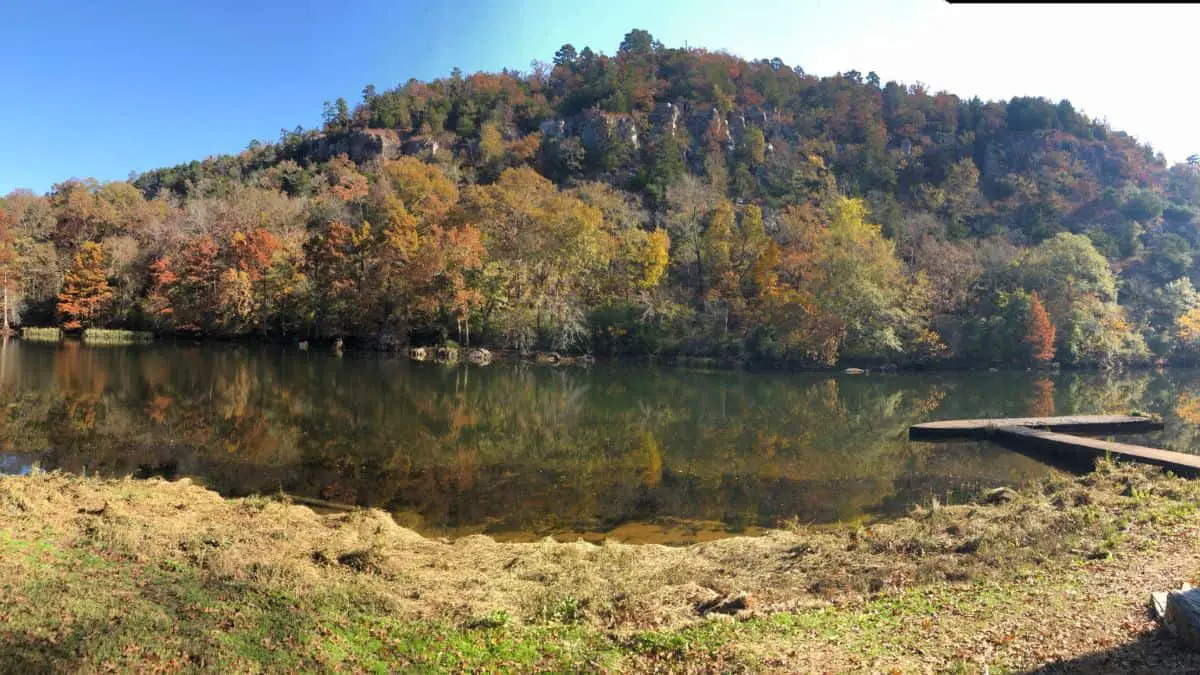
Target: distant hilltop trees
[(656, 201)]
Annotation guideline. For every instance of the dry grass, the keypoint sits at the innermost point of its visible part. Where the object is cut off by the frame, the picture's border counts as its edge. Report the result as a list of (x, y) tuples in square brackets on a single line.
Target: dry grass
[(785, 591), (36, 334), (107, 336)]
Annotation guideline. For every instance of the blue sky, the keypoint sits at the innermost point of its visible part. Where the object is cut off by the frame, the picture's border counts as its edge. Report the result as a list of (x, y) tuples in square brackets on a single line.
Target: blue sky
[(99, 89)]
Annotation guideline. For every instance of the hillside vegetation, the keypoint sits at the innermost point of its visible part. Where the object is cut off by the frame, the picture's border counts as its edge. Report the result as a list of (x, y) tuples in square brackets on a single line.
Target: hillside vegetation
[(658, 201)]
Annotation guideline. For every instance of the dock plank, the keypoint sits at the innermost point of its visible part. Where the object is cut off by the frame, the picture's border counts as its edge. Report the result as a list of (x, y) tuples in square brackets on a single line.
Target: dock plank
[(1084, 424), (1051, 441)]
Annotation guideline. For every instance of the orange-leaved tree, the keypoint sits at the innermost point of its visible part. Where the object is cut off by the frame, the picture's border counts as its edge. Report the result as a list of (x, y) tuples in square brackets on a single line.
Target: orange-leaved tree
[(85, 291), (1040, 332)]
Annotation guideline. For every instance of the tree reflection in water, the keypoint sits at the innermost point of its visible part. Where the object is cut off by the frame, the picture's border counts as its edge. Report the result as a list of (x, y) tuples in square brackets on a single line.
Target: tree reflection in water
[(519, 452)]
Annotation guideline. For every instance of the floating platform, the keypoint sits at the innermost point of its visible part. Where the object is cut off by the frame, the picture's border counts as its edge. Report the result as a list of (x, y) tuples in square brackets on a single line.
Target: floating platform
[(1078, 424), (1050, 441), (1046, 435)]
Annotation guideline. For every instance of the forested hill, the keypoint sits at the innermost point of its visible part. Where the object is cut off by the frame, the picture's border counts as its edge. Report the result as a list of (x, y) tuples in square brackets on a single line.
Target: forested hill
[(657, 201)]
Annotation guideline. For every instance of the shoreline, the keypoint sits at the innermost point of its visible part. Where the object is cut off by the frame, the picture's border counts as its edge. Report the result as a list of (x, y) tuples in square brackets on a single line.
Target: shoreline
[(1060, 573), (586, 359)]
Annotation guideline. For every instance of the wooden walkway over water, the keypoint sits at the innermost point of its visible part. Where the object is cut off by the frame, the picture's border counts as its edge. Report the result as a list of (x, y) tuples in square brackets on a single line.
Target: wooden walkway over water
[(1080, 424), (1047, 434)]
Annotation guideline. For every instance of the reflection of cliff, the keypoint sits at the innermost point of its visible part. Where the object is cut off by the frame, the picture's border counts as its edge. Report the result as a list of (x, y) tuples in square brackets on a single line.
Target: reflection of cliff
[(513, 448)]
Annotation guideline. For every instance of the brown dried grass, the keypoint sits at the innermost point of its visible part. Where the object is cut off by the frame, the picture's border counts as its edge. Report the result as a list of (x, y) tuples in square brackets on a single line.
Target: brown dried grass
[(275, 544)]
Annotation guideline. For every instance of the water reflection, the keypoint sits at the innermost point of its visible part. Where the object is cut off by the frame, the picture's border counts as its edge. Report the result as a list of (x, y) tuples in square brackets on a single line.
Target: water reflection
[(519, 452)]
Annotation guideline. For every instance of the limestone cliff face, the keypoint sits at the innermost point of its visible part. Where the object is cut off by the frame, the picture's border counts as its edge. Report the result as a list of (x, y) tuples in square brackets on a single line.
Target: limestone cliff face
[(361, 146), (594, 129)]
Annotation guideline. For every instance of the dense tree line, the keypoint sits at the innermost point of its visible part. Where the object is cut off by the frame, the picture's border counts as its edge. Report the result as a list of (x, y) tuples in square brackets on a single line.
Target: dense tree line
[(653, 202)]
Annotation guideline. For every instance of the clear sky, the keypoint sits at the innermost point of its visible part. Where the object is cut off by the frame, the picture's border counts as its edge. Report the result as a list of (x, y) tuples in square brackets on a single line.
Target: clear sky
[(102, 88)]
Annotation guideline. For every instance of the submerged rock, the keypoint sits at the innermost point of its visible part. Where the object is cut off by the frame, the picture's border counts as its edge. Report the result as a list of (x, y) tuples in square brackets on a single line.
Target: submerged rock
[(479, 356)]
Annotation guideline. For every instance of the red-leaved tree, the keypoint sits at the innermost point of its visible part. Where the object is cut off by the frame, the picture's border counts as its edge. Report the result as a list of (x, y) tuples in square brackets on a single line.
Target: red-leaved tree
[(1040, 332)]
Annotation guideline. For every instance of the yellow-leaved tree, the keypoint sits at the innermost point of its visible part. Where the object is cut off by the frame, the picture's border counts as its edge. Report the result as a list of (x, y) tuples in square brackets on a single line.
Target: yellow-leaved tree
[(545, 251), (85, 291), (833, 288)]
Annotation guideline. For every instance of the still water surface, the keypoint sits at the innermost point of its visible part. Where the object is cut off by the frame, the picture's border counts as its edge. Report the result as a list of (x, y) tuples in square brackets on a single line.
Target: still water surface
[(520, 452)]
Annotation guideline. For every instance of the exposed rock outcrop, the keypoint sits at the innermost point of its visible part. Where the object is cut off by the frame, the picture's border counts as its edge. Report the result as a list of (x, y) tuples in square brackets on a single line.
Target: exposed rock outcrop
[(361, 146), (479, 356)]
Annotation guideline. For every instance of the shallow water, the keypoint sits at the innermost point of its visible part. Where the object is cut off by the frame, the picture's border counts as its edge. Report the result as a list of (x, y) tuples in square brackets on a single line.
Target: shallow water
[(520, 452)]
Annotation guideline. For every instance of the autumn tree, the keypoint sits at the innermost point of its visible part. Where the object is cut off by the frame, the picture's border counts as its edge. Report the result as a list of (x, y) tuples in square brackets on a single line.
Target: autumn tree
[(723, 294), (1040, 332), (345, 181), (491, 143), (836, 289), (642, 253), (544, 249), (1187, 328), (158, 299), (336, 258), (242, 292), (1079, 290), (696, 233), (85, 292), (689, 203), (194, 296)]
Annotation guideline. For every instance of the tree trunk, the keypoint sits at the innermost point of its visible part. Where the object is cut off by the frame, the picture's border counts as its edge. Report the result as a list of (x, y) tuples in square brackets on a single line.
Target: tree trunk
[(6, 325)]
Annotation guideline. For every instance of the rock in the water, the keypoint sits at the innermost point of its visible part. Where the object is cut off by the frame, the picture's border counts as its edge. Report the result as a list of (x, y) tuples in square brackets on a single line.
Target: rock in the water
[(854, 371), (1000, 495), (479, 356)]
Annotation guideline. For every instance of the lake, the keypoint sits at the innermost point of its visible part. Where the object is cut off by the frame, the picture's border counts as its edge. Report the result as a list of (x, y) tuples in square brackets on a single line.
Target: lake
[(520, 452)]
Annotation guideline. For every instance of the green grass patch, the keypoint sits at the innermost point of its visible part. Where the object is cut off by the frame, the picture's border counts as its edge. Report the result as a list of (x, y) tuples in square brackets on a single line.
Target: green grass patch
[(36, 334), (104, 336), (66, 609)]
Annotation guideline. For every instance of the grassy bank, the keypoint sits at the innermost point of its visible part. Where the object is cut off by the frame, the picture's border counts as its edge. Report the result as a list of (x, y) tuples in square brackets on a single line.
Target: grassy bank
[(35, 334), (104, 336), (137, 575)]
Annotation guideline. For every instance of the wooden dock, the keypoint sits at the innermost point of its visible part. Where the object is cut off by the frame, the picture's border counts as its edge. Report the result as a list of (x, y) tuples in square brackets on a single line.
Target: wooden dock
[(1046, 435), (1079, 424), (1050, 441)]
